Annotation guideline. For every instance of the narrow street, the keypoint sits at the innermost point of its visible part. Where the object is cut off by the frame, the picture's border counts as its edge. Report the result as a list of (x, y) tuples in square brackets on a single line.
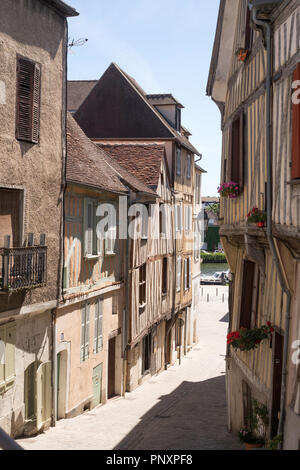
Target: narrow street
[(181, 409)]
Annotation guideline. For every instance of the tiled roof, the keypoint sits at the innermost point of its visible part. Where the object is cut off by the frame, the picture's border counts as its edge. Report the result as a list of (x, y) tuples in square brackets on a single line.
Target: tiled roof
[(61, 7), (78, 90), (90, 165), (141, 160)]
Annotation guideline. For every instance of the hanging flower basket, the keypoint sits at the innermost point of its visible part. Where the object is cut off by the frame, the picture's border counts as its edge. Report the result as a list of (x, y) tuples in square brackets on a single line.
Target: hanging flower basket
[(247, 339), (242, 54), (257, 216), (230, 190)]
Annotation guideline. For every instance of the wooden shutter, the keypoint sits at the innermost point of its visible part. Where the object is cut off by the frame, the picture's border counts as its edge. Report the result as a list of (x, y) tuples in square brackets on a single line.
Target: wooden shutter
[(190, 272), (165, 275), (178, 274), (237, 150), (98, 333), (88, 227), (87, 331), (2, 356), (296, 133), (96, 327), (82, 335), (28, 100), (247, 294), (185, 273)]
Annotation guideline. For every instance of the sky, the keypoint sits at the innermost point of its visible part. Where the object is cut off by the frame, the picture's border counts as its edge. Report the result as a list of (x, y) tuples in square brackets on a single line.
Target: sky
[(166, 46)]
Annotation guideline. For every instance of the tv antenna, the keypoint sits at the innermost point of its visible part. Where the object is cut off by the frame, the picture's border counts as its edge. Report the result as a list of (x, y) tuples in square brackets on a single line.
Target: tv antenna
[(77, 42)]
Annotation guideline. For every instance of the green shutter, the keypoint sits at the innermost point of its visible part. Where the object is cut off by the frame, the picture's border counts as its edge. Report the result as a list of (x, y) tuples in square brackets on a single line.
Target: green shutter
[(87, 331), (2, 356), (100, 325), (82, 335)]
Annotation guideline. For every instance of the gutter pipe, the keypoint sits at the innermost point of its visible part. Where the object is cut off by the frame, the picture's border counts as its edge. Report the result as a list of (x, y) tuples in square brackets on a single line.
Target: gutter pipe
[(268, 29)]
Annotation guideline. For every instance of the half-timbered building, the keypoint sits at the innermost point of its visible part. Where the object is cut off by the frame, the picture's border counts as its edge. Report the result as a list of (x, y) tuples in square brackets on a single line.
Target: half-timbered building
[(254, 80)]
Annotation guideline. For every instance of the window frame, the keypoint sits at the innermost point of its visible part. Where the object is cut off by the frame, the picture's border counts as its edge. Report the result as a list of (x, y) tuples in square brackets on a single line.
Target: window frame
[(178, 161), (295, 158), (85, 332), (165, 277), (98, 326), (142, 286), (8, 379)]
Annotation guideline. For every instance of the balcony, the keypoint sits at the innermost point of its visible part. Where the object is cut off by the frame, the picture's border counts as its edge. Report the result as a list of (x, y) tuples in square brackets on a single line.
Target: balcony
[(23, 268)]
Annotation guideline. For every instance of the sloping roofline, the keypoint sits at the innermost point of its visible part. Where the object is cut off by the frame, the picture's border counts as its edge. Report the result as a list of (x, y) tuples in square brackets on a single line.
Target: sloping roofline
[(61, 7), (180, 138)]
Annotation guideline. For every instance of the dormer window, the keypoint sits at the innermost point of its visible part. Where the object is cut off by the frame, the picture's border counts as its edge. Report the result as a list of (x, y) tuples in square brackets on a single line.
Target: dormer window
[(178, 119)]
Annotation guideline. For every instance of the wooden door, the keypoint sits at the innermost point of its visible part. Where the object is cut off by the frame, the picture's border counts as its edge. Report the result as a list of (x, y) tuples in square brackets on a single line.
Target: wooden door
[(111, 367), (277, 373), (97, 385)]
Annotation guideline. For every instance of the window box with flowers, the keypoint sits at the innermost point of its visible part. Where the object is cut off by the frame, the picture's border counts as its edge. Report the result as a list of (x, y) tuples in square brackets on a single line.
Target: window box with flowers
[(257, 216), (248, 339), (242, 54), (251, 441), (230, 190)]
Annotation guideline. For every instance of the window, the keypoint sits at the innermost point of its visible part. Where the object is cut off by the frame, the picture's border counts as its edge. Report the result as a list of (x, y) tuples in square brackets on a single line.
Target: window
[(92, 244), (187, 274), (115, 304), (248, 31), (178, 218), (296, 132), (11, 204), (98, 326), (178, 119), (85, 332), (237, 151), (142, 285), (145, 222), (247, 295), (165, 276), (28, 100), (198, 189), (178, 274), (7, 355), (178, 161), (146, 354), (162, 220), (188, 218), (188, 166)]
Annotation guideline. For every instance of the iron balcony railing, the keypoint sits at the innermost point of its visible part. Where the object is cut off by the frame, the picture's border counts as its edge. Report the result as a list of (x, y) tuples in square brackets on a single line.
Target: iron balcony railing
[(23, 268)]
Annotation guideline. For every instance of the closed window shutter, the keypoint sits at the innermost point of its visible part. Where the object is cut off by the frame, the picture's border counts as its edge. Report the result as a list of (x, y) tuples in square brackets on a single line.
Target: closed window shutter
[(185, 274), (96, 327), (28, 100), (87, 331), (88, 227), (236, 150), (178, 274), (247, 294), (190, 273), (82, 336), (2, 355), (36, 104), (100, 325), (296, 133)]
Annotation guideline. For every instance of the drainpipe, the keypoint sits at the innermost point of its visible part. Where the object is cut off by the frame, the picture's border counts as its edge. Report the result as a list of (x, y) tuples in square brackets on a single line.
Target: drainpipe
[(268, 29), (62, 225), (126, 320)]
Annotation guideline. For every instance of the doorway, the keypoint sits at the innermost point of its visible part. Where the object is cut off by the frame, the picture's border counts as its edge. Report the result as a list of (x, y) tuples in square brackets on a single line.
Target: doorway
[(62, 361), (111, 370), (277, 373), (97, 385)]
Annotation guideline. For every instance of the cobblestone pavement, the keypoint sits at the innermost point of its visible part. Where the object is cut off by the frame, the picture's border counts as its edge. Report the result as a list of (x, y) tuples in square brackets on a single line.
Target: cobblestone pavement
[(182, 408)]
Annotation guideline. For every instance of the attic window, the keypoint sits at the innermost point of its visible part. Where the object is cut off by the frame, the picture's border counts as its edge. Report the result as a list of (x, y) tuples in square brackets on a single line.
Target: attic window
[(178, 119)]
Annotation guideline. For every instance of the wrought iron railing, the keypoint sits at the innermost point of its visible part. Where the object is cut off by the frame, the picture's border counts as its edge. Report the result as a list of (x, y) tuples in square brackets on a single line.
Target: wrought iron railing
[(23, 268)]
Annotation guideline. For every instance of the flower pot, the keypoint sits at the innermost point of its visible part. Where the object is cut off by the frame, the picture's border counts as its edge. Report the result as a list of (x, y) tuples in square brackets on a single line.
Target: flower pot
[(252, 445), (260, 224)]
